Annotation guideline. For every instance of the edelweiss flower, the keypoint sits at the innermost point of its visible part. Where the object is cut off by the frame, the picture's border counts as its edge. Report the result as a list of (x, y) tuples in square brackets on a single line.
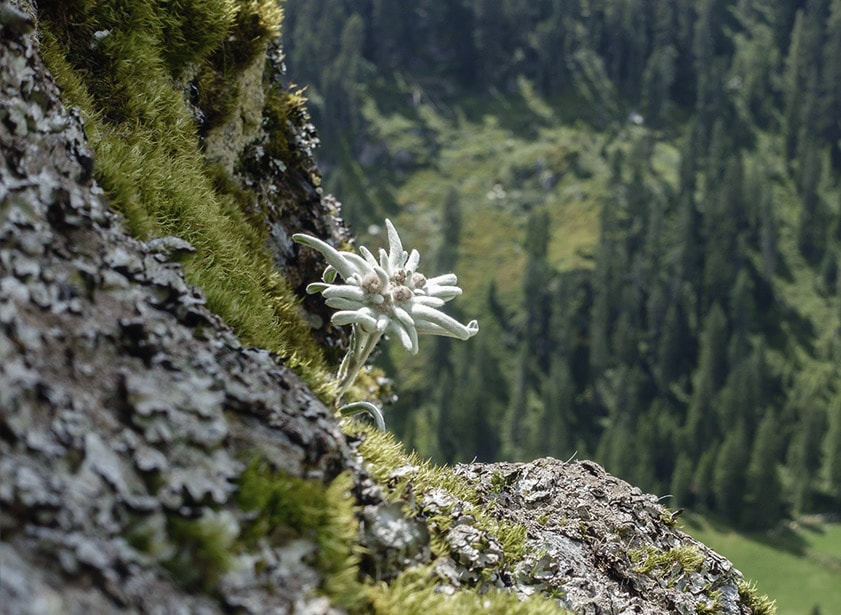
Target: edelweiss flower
[(389, 296)]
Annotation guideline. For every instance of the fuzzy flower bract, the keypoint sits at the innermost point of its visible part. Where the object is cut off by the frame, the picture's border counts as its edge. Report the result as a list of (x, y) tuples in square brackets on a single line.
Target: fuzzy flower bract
[(385, 296)]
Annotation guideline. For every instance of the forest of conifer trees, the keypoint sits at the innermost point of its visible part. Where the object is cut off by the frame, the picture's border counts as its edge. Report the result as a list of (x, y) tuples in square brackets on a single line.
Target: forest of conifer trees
[(697, 352)]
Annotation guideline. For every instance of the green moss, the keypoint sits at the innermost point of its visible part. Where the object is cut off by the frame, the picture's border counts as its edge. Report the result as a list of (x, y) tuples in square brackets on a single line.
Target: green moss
[(649, 558), (416, 593), (759, 604), (119, 62), (710, 607), (204, 548), (383, 454), (253, 24), (285, 507), (281, 108)]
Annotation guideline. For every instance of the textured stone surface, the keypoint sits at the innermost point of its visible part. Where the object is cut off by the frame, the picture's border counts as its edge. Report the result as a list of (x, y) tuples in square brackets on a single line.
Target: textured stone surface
[(590, 535), (124, 403)]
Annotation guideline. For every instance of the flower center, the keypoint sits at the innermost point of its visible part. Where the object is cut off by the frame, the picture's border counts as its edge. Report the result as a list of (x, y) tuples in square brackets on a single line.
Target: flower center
[(372, 284), (402, 294)]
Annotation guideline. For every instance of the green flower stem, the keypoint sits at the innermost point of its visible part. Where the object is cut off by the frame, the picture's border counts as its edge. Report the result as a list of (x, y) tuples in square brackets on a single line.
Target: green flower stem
[(361, 346)]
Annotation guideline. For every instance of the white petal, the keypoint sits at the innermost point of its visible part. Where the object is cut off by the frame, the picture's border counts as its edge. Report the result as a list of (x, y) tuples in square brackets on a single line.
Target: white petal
[(360, 264), (335, 258), (448, 279), (366, 253), (404, 317), (355, 293), (355, 317), (429, 328), (442, 292), (408, 336), (382, 274), (395, 246), (433, 302), (340, 303), (414, 259), (425, 314)]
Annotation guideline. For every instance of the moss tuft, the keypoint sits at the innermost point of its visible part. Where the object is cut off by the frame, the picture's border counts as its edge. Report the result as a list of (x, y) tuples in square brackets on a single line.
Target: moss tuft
[(384, 454), (204, 548), (415, 593), (688, 557), (285, 507), (759, 604)]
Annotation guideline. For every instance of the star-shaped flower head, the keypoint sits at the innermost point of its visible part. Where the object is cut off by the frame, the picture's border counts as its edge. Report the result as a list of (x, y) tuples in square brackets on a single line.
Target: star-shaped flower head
[(389, 295)]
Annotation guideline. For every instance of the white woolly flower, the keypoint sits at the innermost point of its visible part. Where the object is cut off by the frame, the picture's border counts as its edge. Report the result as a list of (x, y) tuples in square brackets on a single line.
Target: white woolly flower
[(389, 295), (385, 296)]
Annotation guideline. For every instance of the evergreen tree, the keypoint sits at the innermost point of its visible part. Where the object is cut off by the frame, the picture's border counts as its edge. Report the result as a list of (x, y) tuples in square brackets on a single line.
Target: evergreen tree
[(658, 78), (491, 38), (704, 475), (768, 236), (556, 435), (729, 475), (446, 259), (792, 85), (832, 448), (830, 104), (700, 426), (764, 495), (804, 454), (675, 351), (682, 481), (392, 34)]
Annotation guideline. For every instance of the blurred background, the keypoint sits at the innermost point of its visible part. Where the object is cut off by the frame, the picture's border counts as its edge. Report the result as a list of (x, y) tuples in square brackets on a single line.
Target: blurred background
[(641, 200)]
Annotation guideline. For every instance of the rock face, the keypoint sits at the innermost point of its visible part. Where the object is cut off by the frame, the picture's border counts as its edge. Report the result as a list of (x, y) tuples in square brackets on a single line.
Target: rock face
[(130, 414), (124, 403), (605, 545)]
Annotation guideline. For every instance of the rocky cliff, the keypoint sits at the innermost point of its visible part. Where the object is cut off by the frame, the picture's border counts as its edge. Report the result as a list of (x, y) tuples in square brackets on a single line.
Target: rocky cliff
[(153, 461)]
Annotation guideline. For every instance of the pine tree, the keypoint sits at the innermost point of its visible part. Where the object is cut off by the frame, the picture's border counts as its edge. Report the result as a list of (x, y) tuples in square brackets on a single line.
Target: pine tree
[(832, 448), (804, 454), (392, 34), (490, 39), (676, 348), (446, 259), (682, 481), (556, 435), (729, 475), (764, 493), (704, 475), (657, 81), (831, 84), (792, 85), (701, 422)]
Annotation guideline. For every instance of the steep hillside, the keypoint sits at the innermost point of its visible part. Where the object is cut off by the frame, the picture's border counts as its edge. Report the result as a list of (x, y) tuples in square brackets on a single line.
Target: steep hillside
[(642, 202)]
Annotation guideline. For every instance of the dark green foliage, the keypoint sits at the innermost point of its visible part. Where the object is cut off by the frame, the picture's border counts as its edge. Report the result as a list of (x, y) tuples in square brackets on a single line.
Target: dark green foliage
[(763, 499), (833, 448), (708, 298), (729, 477)]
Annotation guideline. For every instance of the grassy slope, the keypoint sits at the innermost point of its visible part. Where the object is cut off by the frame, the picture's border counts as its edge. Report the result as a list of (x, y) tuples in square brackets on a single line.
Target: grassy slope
[(800, 568), (502, 162)]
